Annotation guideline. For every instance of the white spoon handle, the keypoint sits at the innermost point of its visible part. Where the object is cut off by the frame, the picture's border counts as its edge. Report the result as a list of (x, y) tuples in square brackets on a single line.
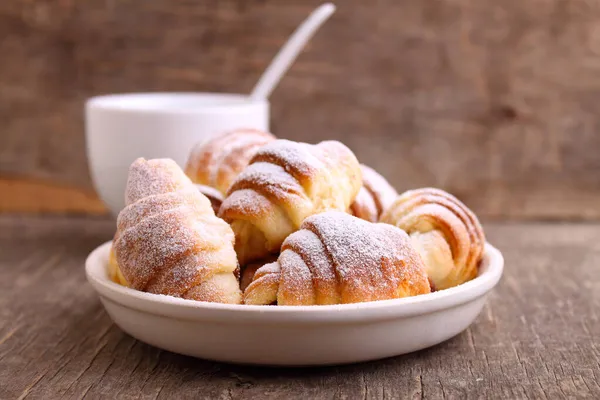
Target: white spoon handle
[(288, 53)]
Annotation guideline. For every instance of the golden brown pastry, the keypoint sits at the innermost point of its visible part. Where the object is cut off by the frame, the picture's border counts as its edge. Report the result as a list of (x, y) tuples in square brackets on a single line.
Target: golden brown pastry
[(445, 232), (374, 197), (285, 183), (114, 273), (217, 162), (250, 269), (169, 240), (213, 195), (336, 258)]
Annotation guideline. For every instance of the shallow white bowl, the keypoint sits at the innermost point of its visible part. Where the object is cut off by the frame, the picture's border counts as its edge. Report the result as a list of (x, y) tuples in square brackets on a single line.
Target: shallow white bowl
[(294, 335)]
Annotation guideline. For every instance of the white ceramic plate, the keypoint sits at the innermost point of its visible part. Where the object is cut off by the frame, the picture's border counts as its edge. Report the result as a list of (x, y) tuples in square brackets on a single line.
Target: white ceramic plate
[(294, 335)]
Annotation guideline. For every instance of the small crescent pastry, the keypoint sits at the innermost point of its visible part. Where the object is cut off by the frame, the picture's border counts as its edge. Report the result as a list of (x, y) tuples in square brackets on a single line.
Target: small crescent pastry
[(169, 240), (336, 258), (445, 232)]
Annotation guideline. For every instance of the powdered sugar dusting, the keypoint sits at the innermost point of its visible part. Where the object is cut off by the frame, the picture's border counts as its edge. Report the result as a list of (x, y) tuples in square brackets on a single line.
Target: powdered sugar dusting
[(271, 180), (314, 254), (298, 159), (245, 202), (427, 209), (155, 204), (169, 240), (217, 162), (296, 285), (285, 183), (270, 268), (348, 260), (357, 252), (235, 153), (213, 195), (157, 176), (364, 206)]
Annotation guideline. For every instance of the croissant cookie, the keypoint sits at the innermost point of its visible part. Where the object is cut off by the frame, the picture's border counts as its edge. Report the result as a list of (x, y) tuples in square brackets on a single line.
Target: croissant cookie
[(285, 183), (446, 233), (374, 197), (336, 258), (169, 240), (219, 161)]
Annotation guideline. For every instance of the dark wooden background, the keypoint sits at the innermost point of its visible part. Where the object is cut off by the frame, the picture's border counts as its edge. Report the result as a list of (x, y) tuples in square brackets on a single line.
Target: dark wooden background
[(497, 102)]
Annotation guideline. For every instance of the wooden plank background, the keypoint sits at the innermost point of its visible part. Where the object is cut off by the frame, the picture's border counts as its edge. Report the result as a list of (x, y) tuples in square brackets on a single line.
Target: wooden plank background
[(497, 102)]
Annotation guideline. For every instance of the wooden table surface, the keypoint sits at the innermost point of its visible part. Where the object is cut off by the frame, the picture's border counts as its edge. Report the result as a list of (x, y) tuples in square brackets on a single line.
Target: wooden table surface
[(537, 337)]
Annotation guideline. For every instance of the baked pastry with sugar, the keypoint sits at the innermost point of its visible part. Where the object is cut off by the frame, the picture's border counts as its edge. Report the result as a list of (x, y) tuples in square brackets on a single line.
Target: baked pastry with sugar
[(336, 258), (217, 162), (213, 195), (169, 240), (374, 197), (114, 272), (285, 183), (444, 231), (250, 269)]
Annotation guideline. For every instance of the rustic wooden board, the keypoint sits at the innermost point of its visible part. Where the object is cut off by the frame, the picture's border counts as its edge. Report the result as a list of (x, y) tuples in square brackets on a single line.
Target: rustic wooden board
[(538, 336), (33, 196), (494, 101)]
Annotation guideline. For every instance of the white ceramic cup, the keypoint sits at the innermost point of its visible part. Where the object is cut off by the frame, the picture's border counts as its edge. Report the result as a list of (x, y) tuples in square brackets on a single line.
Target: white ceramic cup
[(122, 127)]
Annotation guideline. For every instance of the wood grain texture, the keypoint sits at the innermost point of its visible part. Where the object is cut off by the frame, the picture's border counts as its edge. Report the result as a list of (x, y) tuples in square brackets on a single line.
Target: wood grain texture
[(31, 196), (493, 101), (537, 337)]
